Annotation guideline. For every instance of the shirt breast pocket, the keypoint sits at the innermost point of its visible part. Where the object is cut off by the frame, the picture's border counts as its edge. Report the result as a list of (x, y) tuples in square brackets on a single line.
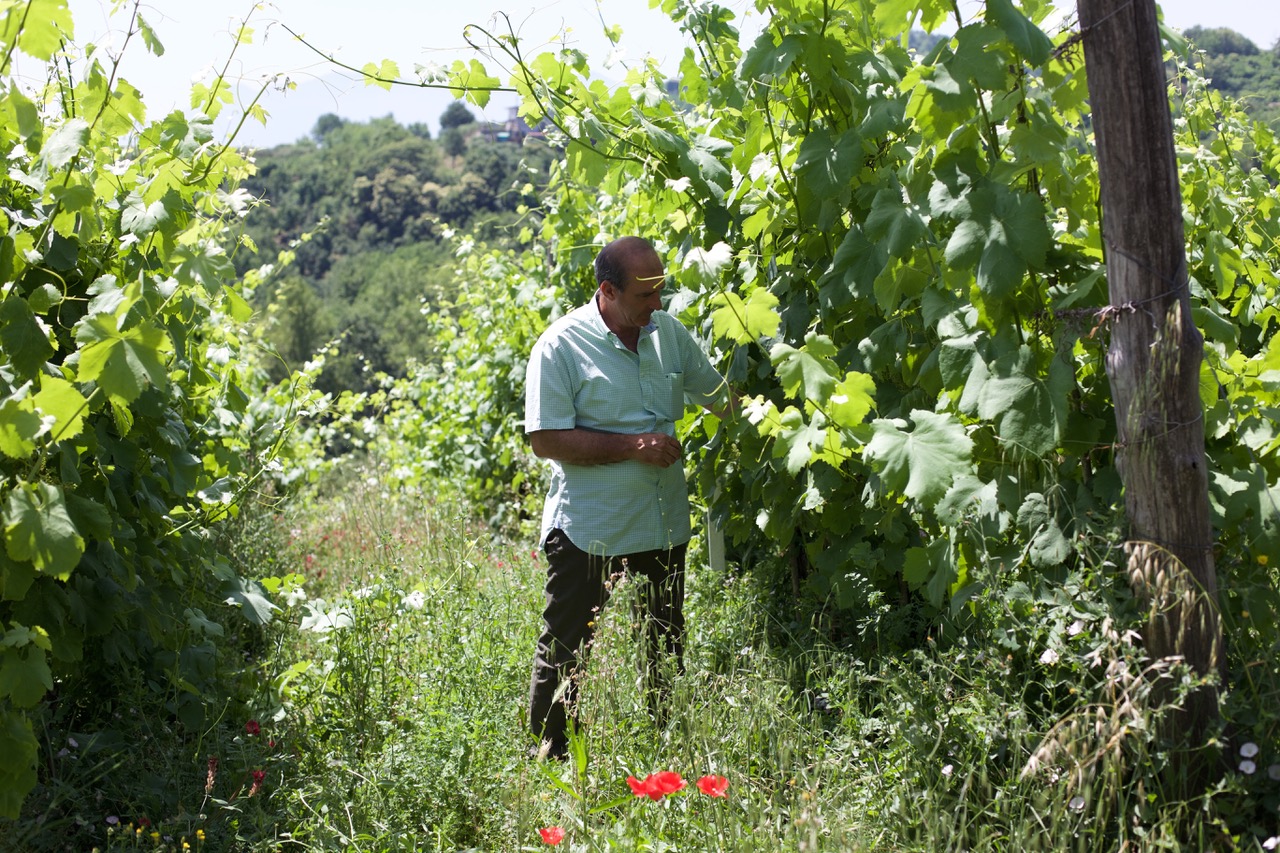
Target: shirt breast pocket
[(669, 399)]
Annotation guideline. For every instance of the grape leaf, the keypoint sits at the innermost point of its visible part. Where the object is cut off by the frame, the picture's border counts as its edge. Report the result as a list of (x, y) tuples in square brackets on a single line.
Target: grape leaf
[(382, 75), (38, 26), (766, 60), (797, 440), (206, 263), (26, 345), (123, 110), (745, 322), (967, 242), (708, 263), (37, 528), (16, 577), (807, 371), (895, 17), (20, 426), (149, 37), (852, 399), (896, 226), (19, 747), (1030, 410), (24, 675), (60, 400), (705, 160), (24, 115), (473, 80), (853, 272), (968, 495), (931, 567), (825, 164), (955, 359), (1047, 546), (921, 462), (122, 363), (1000, 269), (1029, 39), (65, 143), (248, 596), (975, 60), (141, 218)]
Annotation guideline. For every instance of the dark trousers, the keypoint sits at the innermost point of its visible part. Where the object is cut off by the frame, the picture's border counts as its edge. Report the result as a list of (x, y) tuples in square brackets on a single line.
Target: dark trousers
[(578, 585)]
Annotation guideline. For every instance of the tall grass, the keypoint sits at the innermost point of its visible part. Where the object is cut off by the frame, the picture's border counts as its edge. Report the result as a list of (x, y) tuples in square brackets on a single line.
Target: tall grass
[(384, 711)]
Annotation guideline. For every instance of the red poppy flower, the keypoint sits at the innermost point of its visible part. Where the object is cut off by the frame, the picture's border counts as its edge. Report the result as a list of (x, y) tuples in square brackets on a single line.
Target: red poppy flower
[(641, 789), (252, 727), (551, 835), (668, 782), (714, 786), (656, 785)]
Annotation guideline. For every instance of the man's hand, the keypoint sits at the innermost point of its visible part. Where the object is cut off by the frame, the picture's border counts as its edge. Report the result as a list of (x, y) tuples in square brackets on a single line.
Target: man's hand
[(656, 448)]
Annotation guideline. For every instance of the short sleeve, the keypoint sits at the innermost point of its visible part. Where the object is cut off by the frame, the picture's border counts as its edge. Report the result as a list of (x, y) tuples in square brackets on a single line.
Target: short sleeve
[(548, 391), (703, 384)]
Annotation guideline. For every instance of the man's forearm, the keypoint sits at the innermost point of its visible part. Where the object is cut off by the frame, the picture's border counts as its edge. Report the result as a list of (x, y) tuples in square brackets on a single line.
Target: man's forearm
[(588, 447)]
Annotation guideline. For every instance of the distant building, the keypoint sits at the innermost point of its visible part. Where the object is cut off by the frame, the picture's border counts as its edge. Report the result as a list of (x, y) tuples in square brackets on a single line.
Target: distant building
[(515, 129)]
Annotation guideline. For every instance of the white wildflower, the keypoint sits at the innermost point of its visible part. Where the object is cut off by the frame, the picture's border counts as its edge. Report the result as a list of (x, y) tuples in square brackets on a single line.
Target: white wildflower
[(414, 600), (1247, 767), (1076, 804), (948, 769), (1248, 750), (1049, 657)]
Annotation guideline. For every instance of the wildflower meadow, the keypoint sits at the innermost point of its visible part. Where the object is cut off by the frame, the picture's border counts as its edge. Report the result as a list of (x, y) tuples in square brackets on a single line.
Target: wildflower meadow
[(383, 709), (249, 604)]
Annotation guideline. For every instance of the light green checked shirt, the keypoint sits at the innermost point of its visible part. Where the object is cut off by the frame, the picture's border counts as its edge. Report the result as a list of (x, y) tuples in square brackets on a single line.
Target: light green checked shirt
[(581, 376)]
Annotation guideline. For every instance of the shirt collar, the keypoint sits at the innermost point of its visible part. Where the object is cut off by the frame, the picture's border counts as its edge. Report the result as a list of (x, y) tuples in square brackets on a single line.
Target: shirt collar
[(602, 327)]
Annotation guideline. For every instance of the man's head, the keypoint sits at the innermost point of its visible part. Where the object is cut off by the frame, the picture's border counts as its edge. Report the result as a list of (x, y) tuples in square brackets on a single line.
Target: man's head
[(630, 276), (618, 261)]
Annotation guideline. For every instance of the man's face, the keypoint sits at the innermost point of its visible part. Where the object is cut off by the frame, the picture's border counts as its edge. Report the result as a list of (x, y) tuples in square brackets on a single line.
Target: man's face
[(643, 294)]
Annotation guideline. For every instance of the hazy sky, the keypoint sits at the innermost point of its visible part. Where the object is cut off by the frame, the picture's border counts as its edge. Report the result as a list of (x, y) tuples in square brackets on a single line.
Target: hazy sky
[(198, 35)]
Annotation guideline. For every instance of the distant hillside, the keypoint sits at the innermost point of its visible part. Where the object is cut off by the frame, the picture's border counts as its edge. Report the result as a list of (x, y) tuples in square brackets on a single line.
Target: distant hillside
[(374, 200), (1239, 68)]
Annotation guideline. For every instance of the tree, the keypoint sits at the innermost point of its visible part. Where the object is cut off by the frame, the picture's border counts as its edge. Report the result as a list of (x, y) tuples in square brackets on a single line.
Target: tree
[(456, 115), (1221, 41), (296, 325), (325, 125), (454, 141), (1156, 350)]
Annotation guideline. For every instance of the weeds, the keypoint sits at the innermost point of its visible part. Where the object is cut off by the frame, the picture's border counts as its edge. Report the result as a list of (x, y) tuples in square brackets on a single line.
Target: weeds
[(382, 710)]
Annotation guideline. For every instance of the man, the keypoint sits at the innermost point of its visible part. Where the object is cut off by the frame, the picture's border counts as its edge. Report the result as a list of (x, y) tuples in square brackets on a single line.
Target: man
[(605, 386)]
